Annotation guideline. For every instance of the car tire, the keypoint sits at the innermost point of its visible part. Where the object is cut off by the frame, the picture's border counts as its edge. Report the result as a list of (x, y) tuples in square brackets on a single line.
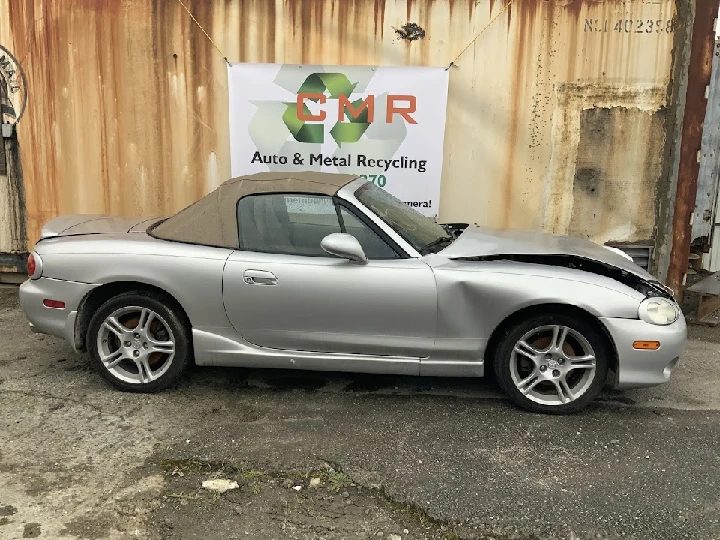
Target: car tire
[(147, 358), (536, 355)]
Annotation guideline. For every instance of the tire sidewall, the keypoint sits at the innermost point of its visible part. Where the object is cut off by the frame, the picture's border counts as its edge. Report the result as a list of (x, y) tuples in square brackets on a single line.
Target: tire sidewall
[(160, 306), (598, 341)]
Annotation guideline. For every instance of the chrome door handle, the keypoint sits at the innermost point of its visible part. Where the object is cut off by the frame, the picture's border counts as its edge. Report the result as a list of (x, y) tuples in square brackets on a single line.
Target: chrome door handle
[(259, 277)]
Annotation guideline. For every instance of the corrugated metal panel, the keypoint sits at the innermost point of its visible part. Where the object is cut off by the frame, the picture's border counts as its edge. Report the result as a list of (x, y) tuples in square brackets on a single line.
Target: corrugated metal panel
[(127, 104), (641, 253), (711, 261), (709, 173)]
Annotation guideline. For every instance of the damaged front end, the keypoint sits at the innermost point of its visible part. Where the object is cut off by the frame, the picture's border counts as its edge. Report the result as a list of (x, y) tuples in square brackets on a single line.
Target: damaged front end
[(476, 243), (649, 288)]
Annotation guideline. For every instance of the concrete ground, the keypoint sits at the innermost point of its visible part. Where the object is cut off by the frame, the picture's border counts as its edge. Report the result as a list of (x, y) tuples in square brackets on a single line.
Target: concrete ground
[(318, 455)]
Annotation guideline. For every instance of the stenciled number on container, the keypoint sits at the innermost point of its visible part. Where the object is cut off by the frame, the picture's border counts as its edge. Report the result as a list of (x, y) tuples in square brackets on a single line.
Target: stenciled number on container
[(631, 26)]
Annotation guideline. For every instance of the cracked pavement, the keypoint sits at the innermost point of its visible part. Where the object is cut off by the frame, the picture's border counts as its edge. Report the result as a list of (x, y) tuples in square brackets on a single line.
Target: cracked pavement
[(403, 456)]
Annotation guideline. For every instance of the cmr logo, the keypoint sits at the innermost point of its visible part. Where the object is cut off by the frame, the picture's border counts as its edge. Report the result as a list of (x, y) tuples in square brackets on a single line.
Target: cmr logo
[(359, 113)]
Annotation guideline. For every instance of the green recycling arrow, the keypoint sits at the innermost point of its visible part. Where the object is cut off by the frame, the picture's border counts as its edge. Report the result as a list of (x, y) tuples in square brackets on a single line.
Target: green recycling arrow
[(337, 84)]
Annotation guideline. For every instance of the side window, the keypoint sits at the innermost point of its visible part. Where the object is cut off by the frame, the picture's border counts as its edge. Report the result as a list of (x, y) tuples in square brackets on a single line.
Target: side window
[(296, 224), (286, 223), (373, 245)]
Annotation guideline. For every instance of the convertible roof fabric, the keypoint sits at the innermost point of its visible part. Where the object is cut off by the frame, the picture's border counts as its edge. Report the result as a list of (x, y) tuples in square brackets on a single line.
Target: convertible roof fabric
[(212, 220)]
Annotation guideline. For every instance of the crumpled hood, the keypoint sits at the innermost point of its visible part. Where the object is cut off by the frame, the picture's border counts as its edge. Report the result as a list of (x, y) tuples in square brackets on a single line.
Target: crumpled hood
[(477, 241)]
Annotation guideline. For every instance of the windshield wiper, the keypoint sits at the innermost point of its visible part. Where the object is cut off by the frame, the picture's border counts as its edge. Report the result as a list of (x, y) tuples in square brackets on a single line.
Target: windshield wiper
[(435, 243)]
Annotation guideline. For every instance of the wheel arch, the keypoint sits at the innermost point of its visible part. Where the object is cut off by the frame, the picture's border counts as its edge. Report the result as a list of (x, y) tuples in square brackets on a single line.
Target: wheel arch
[(102, 293), (544, 309)]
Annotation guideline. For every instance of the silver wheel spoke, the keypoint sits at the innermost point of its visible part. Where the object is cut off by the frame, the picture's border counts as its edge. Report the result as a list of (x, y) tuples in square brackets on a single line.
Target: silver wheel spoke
[(563, 390), (113, 359), (582, 362), (559, 335), (527, 350), (150, 319), (165, 347), (143, 322), (528, 383), (146, 374), (583, 365), (115, 326)]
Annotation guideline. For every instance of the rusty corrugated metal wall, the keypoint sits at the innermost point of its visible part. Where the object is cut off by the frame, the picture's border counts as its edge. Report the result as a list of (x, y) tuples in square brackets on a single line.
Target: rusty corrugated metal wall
[(556, 116)]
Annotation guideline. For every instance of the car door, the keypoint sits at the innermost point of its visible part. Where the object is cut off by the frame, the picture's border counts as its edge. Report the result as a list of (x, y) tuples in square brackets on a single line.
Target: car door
[(282, 291)]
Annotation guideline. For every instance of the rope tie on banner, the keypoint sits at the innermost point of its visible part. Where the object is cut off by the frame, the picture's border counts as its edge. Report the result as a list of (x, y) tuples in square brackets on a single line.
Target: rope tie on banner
[(479, 34), (203, 31)]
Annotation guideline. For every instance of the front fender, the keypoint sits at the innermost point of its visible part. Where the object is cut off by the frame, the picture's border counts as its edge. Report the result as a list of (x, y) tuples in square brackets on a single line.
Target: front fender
[(475, 297)]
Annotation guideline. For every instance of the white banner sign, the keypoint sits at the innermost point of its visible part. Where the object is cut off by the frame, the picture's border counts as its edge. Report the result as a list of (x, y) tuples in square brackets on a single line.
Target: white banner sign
[(386, 123)]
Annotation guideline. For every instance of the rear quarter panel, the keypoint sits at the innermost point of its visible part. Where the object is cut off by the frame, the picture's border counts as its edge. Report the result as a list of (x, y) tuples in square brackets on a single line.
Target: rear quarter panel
[(191, 274)]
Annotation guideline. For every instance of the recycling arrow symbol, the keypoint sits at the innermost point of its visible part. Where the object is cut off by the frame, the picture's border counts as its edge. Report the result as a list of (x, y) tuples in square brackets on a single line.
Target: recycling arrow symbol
[(336, 85)]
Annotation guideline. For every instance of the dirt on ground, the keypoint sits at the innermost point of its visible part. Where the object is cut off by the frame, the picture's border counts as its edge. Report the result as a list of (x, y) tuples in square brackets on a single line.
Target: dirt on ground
[(312, 504)]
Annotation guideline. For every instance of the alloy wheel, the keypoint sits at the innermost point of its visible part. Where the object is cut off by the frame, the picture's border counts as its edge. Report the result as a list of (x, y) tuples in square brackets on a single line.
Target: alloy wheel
[(136, 345), (553, 365)]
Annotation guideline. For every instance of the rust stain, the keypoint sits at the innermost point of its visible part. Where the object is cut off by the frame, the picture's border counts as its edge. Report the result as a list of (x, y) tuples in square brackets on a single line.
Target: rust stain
[(269, 18), (343, 15), (471, 9), (41, 194), (526, 13), (131, 129), (701, 51), (378, 17), (574, 9), (614, 179)]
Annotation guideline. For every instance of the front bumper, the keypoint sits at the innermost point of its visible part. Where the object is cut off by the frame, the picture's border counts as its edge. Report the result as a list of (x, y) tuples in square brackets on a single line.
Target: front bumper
[(53, 321), (637, 368)]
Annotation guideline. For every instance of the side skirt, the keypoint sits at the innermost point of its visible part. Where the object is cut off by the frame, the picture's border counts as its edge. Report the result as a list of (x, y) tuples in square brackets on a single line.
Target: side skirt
[(221, 347), (452, 368)]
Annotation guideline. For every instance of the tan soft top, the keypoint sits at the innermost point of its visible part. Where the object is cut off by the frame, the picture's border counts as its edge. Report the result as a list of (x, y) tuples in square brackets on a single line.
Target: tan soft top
[(212, 220)]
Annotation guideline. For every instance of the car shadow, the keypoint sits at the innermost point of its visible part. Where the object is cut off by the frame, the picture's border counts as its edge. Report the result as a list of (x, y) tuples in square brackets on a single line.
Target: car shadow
[(332, 382), (282, 380)]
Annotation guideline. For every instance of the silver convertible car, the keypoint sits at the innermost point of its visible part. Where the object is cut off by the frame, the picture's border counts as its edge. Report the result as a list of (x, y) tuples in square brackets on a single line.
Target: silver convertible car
[(321, 271)]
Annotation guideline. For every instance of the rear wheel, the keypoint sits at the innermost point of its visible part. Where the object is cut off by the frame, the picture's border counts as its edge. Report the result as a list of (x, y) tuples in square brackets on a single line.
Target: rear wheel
[(553, 363), (138, 342)]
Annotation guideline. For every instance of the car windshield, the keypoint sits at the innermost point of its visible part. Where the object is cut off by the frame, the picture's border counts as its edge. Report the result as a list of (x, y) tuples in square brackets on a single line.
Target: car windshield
[(422, 232)]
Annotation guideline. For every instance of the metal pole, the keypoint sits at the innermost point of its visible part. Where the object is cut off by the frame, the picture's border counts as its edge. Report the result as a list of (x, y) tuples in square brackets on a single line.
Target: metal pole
[(701, 54)]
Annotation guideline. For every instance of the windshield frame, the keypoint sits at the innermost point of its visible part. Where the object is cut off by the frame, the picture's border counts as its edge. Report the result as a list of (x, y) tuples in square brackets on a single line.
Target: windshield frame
[(348, 192)]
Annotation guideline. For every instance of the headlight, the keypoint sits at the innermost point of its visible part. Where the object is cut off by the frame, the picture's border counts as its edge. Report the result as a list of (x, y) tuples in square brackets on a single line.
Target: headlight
[(660, 311)]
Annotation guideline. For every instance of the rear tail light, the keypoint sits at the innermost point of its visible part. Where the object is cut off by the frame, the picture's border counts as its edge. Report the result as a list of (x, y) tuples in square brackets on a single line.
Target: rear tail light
[(34, 266)]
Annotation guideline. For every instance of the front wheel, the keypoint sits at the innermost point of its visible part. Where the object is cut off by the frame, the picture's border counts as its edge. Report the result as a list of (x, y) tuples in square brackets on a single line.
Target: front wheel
[(138, 342), (553, 364)]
